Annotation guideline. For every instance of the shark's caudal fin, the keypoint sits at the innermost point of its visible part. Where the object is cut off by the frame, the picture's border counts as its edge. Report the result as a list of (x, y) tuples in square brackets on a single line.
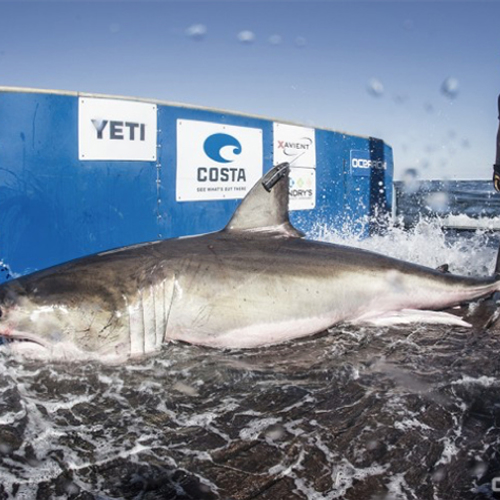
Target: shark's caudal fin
[(265, 207)]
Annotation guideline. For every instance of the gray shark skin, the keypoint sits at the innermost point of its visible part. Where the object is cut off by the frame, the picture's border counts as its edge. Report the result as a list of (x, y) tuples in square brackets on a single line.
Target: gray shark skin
[(256, 282)]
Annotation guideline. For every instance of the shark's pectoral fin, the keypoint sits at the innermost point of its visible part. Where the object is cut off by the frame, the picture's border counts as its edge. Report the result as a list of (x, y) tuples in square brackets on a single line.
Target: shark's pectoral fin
[(407, 316), (265, 207)]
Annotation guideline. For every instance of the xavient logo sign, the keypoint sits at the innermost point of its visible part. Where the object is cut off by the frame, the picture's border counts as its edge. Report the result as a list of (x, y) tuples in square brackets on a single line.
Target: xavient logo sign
[(222, 147), (296, 147), (116, 129)]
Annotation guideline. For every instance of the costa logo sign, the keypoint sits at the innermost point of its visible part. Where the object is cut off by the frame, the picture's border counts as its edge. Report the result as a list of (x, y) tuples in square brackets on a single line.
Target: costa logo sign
[(216, 161), (222, 148)]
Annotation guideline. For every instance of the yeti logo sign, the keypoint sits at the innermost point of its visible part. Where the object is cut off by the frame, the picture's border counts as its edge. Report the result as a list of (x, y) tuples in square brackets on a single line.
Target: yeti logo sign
[(113, 129), (116, 130), (216, 161)]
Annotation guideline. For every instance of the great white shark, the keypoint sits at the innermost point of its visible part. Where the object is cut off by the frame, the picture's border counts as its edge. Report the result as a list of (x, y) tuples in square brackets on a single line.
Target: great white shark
[(256, 282)]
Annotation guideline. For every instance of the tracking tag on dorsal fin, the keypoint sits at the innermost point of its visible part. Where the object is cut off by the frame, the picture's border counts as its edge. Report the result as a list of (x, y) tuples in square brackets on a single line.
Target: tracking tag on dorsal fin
[(265, 207)]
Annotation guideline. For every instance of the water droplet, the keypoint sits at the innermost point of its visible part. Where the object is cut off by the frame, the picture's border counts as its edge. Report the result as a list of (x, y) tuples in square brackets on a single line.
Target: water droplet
[(410, 180), (408, 24), (479, 469), (400, 98), (429, 107), (246, 36), (438, 201), (5, 449), (300, 41), (185, 389), (450, 87), (72, 488), (275, 432), (275, 39), (197, 32), (375, 87), (438, 475)]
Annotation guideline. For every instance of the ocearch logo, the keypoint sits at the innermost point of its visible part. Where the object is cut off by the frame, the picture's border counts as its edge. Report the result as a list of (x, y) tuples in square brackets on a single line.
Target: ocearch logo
[(363, 163), (222, 148)]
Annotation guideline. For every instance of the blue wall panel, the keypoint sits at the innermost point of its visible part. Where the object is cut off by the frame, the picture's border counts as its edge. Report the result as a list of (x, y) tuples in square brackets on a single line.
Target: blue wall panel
[(54, 207)]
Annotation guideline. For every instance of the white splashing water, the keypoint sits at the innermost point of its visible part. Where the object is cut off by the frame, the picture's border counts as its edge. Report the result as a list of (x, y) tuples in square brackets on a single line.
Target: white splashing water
[(426, 244)]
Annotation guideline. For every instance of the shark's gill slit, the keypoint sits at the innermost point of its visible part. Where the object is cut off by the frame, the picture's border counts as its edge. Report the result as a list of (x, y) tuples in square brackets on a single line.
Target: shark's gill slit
[(168, 310), (136, 326), (149, 320)]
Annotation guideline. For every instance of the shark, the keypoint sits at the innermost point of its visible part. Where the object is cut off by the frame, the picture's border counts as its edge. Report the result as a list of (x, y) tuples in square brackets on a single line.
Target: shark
[(256, 282)]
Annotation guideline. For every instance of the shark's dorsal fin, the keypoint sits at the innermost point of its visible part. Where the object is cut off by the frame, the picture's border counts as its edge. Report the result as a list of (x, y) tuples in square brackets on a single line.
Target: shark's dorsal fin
[(265, 207)]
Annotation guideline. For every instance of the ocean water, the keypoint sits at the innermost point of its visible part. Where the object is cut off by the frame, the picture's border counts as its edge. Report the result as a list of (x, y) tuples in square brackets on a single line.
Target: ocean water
[(455, 203), (354, 413)]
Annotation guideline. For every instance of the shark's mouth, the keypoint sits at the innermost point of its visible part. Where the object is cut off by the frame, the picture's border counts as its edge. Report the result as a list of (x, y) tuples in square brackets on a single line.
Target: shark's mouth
[(19, 341)]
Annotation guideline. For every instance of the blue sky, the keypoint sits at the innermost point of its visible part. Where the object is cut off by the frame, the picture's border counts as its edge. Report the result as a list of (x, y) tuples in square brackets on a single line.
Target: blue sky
[(370, 68)]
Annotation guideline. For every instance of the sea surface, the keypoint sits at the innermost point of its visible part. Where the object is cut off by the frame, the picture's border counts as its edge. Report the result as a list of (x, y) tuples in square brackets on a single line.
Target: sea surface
[(353, 413)]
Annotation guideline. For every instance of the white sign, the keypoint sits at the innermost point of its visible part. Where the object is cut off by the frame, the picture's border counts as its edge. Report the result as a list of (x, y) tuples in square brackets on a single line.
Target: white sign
[(302, 191), (296, 145), (114, 129), (217, 161)]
